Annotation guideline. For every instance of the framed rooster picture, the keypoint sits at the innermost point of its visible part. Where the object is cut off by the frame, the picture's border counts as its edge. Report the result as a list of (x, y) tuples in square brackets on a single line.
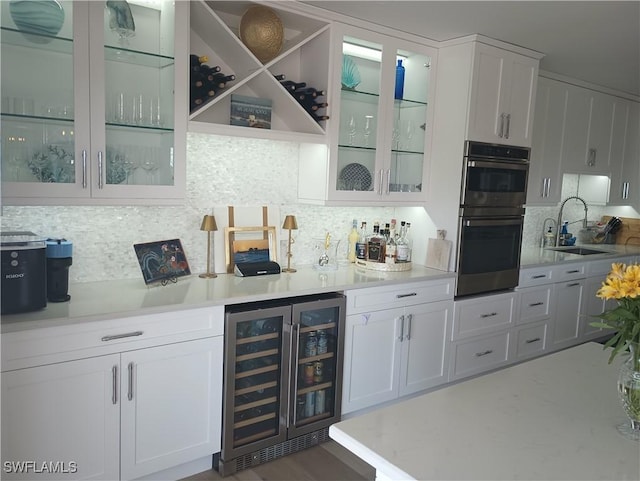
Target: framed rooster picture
[(162, 261)]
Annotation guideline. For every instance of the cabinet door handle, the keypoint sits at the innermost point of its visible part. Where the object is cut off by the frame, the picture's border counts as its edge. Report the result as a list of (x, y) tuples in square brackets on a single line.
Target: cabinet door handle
[(506, 135), (388, 180), (120, 336), (130, 390), (410, 294), (480, 354), (574, 271), (381, 182), (531, 341), (491, 314), (84, 169), (625, 190), (533, 304), (100, 170), (539, 276), (114, 385), (543, 190), (591, 157), (401, 319), (573, 284), (501, 132), (409, 320)]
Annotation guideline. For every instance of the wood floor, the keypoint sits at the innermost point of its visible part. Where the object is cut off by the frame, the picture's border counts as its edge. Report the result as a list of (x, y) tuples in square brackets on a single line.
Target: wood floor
[(326, 462)]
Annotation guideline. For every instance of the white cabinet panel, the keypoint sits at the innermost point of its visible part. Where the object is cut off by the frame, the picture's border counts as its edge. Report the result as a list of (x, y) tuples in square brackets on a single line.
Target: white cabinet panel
[(566, 329), (479, 354)]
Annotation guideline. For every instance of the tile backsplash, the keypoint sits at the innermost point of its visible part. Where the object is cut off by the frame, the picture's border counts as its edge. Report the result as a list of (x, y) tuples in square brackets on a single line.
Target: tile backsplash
[(223, 171)]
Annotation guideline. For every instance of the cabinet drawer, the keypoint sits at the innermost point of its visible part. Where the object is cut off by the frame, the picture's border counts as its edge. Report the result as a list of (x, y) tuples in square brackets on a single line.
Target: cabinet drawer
[(531, 340), (535, 276), (569, 272), (74, 341), (479, 355), (602, 267), (486, 314), (374, 298), (535, 304)]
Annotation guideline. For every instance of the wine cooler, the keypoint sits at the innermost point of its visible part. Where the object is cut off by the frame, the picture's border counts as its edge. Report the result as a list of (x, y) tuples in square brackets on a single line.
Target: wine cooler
[(282, 378)]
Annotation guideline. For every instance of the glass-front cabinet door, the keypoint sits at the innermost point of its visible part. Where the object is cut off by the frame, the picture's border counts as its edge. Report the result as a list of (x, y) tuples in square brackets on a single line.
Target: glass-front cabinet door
[(97, 121), (383, 130)]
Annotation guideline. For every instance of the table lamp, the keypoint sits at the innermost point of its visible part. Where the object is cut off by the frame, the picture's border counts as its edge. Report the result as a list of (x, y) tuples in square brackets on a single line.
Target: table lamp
[(290, 224), (209, 226)]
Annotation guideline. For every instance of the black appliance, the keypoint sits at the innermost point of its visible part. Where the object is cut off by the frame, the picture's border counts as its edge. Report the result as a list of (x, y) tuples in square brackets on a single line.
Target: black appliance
[(24, 276), (58, 262), (282, 378), (493, 193)]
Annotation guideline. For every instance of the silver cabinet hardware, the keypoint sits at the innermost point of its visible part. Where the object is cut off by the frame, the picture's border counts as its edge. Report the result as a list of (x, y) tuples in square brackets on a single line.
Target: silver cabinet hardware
[(533, 304), (388, 181), (491, 314), (130, 390), (381, 182), (401, 337), (531, 341), (539, 276), (573, 284), (506, 135), (114, 385), (120, 336), (574, 271), (409, 319), (501, 132), (591, 157), (410, 294), (100, 171), (84, 169), (480, 354)]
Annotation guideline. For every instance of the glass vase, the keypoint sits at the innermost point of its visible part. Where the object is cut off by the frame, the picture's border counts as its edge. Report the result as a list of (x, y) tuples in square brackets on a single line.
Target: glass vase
[(629, 393)]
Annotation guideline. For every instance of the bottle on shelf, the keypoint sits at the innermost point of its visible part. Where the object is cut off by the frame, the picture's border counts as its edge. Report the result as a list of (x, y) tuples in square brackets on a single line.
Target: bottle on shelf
[(220, 80), (391, 250), (309, 92), (361, 245), (399, 90), (353, 240), (402, 247), (280, 76), (292, 86), (319, 118), (196, 61)]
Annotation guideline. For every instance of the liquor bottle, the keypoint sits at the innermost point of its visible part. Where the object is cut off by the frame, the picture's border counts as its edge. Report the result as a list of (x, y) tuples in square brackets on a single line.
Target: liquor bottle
[(353, 240), (408, 240), (391, 250), (361, 245), (292, 86), (376, 245), (402, 247)]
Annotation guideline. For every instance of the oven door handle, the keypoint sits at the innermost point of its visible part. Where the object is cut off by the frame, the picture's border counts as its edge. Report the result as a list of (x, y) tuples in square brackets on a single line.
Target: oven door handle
[(491, 222), (496, 164)]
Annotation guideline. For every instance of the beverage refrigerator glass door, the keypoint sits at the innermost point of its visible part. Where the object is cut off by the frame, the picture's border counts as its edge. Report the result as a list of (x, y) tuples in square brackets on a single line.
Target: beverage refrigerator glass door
[(488, 253), (494, 175)]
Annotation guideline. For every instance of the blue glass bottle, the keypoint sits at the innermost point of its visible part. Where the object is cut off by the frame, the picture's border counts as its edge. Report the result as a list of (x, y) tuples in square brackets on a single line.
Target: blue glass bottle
[(399, 80)]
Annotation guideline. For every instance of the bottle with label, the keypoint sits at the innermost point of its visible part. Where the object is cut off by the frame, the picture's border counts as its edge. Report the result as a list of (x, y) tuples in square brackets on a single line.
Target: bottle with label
[(402, 247), (376, 245), (353, 240), (392, 247), (361, 245)]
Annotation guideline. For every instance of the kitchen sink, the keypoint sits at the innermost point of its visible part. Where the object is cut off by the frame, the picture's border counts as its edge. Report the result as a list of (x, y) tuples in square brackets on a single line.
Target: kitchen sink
[(581, 251)]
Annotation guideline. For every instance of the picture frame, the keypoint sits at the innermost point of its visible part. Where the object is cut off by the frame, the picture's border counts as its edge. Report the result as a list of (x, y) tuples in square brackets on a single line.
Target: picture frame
[(162, 261), (249, 244)]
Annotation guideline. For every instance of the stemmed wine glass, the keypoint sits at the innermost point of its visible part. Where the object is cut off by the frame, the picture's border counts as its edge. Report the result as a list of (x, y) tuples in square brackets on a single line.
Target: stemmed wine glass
[(352, 130), (409, 131), (367, 129)]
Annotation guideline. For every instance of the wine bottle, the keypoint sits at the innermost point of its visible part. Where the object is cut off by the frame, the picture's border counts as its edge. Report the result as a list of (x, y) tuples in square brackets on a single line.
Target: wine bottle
[(208, 70), (220, 80), (280, 76), (318, 118), (310, 92), (292, 86), (353, 240), (197, 61), (312, 105)]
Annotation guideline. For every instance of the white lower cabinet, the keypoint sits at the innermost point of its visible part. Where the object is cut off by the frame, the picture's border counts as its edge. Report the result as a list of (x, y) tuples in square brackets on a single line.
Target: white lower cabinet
[(531, 340), (142, 399), (67, 413), (119, 416), (394, 352), (566, 326), (479, 354)]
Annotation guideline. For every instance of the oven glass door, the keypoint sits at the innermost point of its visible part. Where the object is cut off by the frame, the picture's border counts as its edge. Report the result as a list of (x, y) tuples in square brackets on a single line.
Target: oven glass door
[(492, 183), (489, 245)]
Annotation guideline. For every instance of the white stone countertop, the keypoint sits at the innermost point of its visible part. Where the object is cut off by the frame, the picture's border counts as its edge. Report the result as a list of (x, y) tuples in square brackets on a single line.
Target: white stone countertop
[(552, 418), (535, 256), (93, 301)]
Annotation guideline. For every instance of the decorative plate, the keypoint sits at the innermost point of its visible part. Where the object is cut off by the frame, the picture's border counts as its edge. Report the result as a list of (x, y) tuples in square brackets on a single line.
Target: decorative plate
[(350, 73), (262, 32), (355, 177)]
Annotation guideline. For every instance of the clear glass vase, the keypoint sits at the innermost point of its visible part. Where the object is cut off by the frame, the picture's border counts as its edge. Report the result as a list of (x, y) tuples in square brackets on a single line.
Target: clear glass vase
[(629, 393)]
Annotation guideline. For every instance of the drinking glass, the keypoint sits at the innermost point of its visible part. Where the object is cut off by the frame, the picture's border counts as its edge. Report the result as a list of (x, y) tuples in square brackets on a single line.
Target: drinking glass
[(368, 119)]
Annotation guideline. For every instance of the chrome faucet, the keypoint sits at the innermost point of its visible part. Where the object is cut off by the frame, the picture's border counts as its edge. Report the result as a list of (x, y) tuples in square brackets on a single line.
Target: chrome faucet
[(584, 222)]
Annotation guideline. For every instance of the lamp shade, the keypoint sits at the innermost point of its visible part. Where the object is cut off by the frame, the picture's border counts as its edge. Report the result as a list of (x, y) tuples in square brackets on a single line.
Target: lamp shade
[(290, 222), (209, 223)]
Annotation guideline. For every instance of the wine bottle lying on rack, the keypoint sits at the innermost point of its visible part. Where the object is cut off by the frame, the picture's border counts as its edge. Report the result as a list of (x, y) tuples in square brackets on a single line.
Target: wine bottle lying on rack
[(292, 86), (309, 92), (280, 76)]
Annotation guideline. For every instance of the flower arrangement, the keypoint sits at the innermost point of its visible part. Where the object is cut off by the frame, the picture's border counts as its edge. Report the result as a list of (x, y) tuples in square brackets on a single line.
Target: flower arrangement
[(623, 285)]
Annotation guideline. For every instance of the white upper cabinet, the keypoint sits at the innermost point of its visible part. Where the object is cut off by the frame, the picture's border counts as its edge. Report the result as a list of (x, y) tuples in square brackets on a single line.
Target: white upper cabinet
[(100, 124), (587, 139), (545, 174), (625, 154), (302, 59), (381, 123), (502, 96)]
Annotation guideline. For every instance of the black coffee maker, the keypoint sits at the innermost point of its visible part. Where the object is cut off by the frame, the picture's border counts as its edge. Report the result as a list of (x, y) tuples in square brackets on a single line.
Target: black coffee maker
[(58, 262)]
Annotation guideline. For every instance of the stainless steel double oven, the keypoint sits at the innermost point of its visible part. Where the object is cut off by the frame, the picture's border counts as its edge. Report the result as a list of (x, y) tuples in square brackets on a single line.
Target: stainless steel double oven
[(494, 189)]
